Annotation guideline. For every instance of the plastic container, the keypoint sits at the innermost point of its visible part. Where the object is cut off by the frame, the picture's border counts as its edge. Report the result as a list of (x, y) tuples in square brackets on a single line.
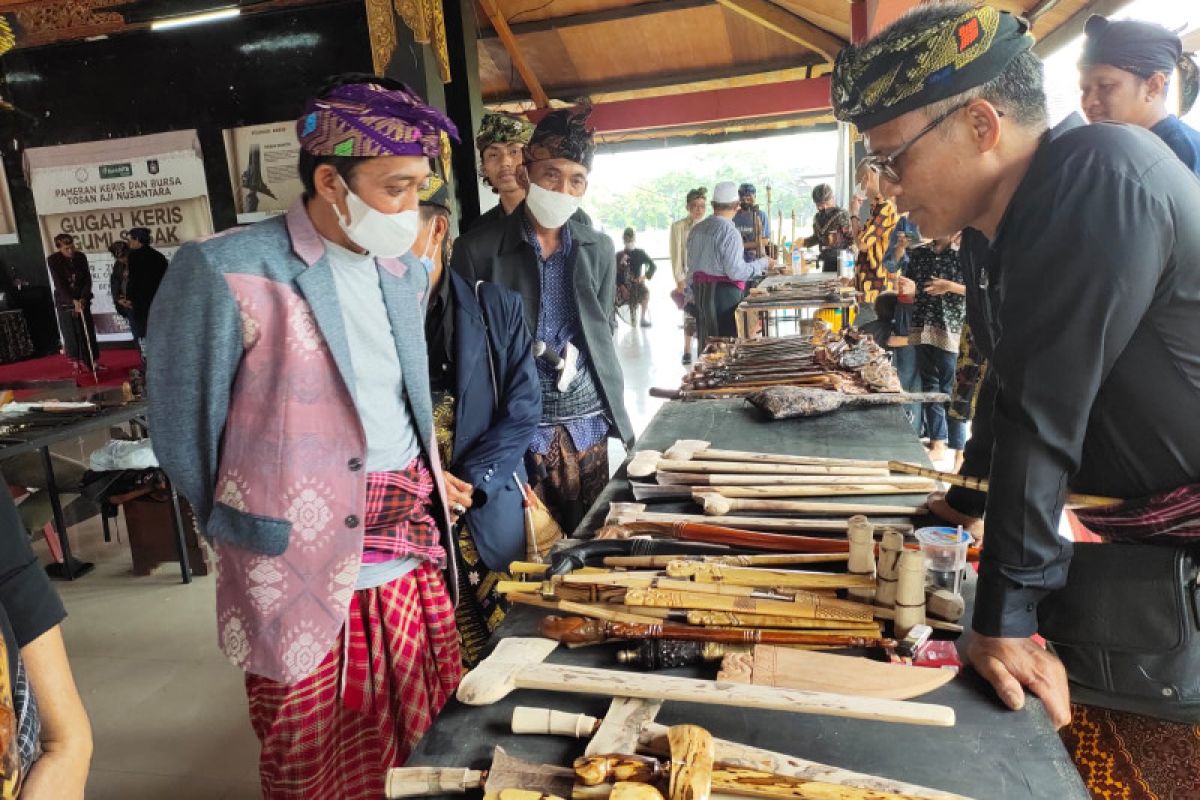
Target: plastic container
[(845, 264), (945, 552)]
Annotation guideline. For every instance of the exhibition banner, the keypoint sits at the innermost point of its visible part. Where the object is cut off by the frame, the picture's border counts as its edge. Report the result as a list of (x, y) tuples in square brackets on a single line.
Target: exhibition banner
[(262, 169), (96, 191)]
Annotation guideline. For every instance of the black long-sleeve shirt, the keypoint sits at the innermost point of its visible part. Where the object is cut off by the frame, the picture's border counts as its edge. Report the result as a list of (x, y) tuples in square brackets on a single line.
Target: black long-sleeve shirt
[(147, 267), (1087, 305)]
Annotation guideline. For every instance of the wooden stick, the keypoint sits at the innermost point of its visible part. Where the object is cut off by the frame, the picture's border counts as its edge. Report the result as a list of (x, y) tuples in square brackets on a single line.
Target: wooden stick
[(608, 614), (806, 604), (647, 462), (635, 514), (754, 479), (738, 619), (866, 489), (981, 485), (772, 559), (936, 624), (766, 578), (718, 505), (698, 450), (576, 630)]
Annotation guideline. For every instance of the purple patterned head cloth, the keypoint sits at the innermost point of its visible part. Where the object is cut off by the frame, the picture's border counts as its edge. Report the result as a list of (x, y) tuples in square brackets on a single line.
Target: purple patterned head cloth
[(367, 120)]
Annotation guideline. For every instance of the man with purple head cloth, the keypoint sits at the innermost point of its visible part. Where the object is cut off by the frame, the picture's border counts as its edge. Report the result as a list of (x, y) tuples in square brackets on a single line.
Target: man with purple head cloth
[(291, 406)]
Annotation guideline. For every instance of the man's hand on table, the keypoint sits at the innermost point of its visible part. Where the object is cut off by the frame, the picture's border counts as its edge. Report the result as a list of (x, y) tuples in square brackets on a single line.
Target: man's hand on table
[(937, 505), (1010, 664)]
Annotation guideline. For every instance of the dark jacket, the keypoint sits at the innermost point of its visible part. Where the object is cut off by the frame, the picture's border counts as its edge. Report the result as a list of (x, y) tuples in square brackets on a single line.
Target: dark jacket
[(491, 434), (499, 253), (72, 277), (147, 267)]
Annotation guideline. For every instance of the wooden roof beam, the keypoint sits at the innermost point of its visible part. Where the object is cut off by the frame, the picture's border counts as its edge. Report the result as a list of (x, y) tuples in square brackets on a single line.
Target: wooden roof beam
[(710, 107), (679, 82), (514, 52), (596, 17), (787, 24)]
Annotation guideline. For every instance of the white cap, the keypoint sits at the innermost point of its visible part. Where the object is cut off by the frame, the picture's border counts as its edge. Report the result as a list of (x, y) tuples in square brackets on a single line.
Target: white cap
[(725, 192)]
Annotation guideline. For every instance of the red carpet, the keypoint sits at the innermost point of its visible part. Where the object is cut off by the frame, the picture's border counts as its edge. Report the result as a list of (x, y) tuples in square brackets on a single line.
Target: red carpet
[(57, 369)]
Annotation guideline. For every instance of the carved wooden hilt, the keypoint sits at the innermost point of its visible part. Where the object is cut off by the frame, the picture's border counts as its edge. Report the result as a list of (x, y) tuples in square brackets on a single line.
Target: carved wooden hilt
[(573, 630), (598, 770)]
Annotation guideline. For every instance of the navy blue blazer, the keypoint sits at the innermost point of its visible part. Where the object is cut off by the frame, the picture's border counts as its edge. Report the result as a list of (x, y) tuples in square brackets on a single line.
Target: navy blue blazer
[(492, 434)]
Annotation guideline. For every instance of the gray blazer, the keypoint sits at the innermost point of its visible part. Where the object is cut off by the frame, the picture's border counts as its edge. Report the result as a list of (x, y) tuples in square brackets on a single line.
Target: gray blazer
[(498, 252)]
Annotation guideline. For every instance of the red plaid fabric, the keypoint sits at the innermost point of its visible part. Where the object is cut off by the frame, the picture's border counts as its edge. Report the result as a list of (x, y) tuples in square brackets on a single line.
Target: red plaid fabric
[(398, 523), (1167, 518), (402, 664), (325, 738)]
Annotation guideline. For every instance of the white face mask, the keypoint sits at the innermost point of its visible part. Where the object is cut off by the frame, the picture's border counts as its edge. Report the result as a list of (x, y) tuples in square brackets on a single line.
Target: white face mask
[(551, 209), (381, 235)]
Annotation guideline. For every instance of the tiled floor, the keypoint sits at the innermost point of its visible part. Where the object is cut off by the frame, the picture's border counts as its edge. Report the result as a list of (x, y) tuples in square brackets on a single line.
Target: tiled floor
[(168, 712)]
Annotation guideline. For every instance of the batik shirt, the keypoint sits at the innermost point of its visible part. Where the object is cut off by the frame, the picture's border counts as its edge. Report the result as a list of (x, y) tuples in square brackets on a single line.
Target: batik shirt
[(871, 275), (558, 323), (937, 321)]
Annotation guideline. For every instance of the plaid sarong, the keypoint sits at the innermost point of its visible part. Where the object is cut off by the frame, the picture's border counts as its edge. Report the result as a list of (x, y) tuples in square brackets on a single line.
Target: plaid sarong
[(334, 737), (1167, 518)]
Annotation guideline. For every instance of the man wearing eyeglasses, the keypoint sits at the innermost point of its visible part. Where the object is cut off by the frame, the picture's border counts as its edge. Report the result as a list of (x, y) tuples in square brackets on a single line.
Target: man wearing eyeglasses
[(566, 274), (1082, 262)]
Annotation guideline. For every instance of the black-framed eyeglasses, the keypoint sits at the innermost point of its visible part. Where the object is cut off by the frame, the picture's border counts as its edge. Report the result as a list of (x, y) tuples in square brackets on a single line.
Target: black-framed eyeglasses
[(885, 166)]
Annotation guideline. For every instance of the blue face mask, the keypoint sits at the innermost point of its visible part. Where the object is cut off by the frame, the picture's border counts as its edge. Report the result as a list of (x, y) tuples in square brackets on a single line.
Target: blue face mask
[(427, 262)]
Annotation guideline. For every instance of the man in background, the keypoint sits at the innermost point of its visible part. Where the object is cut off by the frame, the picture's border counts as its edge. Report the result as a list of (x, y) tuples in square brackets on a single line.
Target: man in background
[(751, 222), (831, 228), (486, 407), (1123, 77), (634, 268), (718, 268), (147, 267), (565, 273), (73, 298), (680, 228), (501, 141)]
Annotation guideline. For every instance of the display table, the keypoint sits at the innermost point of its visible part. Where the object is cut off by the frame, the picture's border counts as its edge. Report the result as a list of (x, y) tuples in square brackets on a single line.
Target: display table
[(37, 432), (770, 316), (15, 344), (990, 754)]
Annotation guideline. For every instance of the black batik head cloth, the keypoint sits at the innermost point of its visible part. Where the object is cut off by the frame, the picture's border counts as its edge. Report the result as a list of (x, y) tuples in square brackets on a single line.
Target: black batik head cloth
[(888, 76), (1141, 48), (565, 134)]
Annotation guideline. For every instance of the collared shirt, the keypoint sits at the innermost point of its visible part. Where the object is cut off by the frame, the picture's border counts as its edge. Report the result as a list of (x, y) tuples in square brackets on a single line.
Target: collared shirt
[(714, 248), (1182, 138), (1088, 303), (439, 338), (558, 324)]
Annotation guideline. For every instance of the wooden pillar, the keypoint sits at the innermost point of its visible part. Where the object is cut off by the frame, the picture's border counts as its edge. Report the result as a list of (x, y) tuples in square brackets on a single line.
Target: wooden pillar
[(416, 64), (464, 104)]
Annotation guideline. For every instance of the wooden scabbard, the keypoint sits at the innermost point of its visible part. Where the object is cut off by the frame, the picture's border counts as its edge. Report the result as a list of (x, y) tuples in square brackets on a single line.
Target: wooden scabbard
[(716, 619), (782, 559), (577, 630), (735, 537), (981, 484), (805, 605), (766, 578)]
